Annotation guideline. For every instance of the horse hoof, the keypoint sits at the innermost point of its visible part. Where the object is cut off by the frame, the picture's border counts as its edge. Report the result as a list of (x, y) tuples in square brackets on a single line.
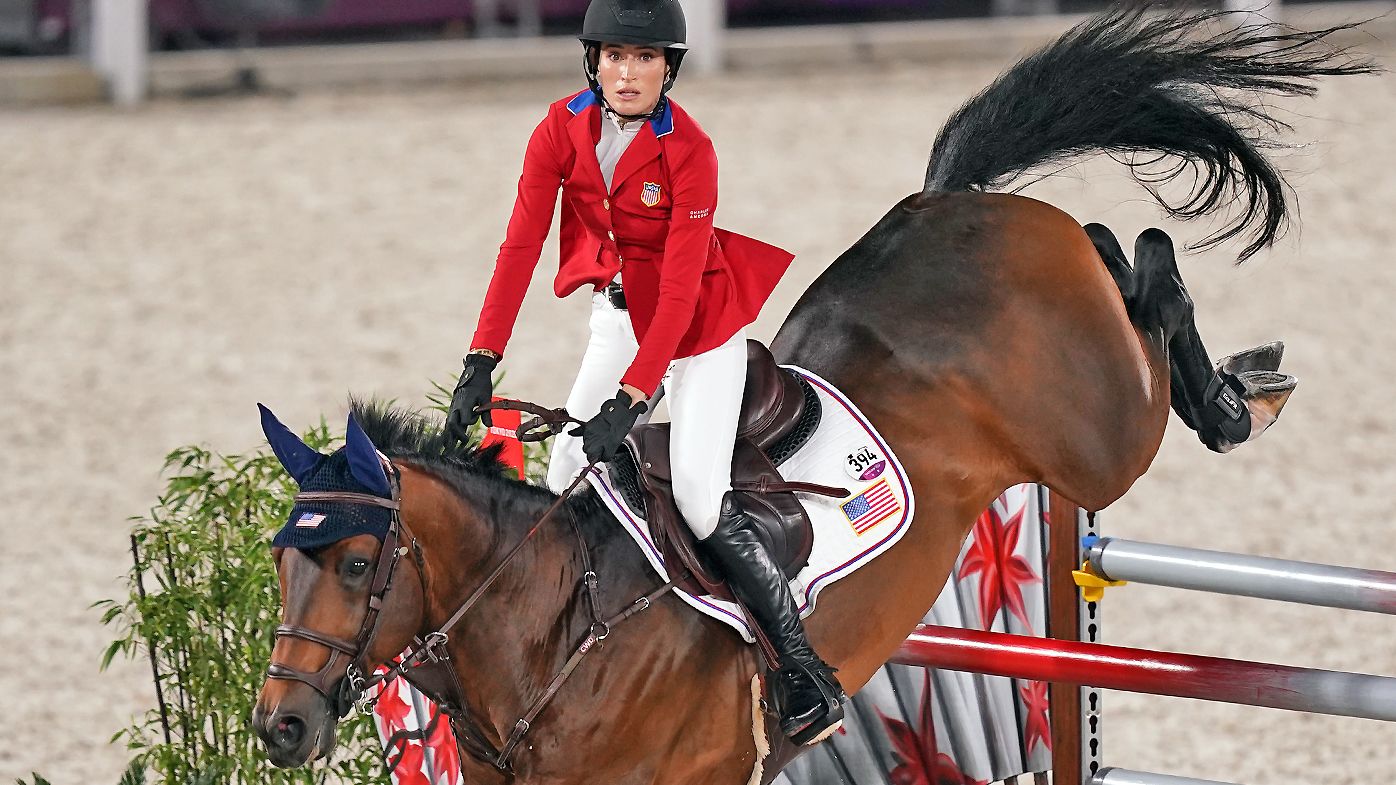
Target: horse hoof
[(1265, 357), (1266, 394)]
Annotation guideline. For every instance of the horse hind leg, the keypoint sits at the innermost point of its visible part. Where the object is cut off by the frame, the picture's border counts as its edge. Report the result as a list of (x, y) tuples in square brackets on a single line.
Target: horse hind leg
[(1159, 305), (1227, 404), (1156, 321), (1114, 258)]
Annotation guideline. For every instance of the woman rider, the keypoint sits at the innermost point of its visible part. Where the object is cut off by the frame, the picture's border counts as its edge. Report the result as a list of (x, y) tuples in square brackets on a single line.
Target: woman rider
[(639, 189)]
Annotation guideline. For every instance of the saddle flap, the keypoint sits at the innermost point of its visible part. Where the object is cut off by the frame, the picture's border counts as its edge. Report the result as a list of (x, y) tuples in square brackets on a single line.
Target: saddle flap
[(779, 518)]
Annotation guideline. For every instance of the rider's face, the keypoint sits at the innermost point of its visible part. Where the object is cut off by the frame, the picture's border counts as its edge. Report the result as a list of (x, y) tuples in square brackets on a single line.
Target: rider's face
[(631, 77)]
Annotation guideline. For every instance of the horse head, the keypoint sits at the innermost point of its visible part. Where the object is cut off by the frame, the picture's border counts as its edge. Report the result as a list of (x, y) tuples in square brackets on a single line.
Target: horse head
[(378, 554), (342, 545)]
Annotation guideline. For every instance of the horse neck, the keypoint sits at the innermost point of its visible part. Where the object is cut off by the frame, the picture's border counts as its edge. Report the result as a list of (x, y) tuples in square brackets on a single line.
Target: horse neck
[(517, 635)]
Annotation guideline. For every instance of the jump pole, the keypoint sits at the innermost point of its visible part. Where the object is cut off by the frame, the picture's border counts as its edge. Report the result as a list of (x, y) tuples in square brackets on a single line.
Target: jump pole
[(1114, 776), (1157, 673), (1243, 576)]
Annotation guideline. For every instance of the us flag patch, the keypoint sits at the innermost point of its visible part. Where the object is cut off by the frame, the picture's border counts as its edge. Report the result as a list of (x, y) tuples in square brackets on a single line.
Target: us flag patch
[(650, 194), (310, 520), (871, 507)]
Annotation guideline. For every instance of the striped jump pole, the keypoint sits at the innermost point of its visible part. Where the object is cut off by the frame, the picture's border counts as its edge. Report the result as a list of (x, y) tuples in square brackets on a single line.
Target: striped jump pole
[(1243, 576), (1157, 673)]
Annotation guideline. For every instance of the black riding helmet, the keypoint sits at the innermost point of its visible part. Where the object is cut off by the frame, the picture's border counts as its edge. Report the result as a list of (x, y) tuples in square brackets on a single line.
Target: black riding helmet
[(657, 23)]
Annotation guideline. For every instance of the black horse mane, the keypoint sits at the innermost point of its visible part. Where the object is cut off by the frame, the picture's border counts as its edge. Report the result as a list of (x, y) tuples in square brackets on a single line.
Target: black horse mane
[(1177, 86), (474, 473)]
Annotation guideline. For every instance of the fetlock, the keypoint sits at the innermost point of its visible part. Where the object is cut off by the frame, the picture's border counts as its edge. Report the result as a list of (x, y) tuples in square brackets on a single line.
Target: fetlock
[(1239, 406)]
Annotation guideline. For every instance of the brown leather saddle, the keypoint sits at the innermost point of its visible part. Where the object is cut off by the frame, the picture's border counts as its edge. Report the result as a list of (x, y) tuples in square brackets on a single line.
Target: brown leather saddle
[(780, 412)]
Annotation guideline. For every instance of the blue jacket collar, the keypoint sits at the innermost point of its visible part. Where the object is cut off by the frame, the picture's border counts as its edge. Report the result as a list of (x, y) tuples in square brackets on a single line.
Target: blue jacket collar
[(663, 123)]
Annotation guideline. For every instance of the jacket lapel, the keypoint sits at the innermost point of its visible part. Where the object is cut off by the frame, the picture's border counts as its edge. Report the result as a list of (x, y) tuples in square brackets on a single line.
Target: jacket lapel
[(584, 129)]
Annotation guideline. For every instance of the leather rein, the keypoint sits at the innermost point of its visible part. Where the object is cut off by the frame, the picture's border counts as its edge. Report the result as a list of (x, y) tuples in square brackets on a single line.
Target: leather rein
[(430, 654)]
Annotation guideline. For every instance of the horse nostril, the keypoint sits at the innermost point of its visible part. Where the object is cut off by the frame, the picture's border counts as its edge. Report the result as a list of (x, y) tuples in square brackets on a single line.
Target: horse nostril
[(287, 733)]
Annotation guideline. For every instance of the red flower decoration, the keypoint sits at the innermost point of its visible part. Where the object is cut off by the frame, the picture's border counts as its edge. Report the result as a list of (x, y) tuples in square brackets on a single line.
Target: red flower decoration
[(918, 760), (443, 746), (392, 708), (1035, 726), (410, 766), (1001, 572)]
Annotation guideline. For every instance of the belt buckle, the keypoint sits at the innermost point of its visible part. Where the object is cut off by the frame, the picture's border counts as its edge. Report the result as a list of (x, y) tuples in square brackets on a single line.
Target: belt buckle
[(616, 295)]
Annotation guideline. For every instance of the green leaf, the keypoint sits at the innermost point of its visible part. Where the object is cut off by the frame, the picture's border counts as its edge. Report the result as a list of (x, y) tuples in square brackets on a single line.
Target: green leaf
[(112, 650), (134, 774)]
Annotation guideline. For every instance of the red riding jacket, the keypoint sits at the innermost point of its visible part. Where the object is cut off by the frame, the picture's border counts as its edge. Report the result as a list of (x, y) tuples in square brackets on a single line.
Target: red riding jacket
[(688, 286)]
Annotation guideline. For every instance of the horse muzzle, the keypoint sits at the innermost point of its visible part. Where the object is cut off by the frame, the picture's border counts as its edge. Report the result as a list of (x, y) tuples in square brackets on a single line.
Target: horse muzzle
[(293, 736)]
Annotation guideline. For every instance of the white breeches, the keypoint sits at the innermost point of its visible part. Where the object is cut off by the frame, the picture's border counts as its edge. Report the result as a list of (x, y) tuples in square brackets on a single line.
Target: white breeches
[(705, 398)]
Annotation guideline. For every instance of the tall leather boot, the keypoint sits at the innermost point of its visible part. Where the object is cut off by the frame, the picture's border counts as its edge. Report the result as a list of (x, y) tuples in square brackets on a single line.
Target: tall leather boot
[(804, 693)]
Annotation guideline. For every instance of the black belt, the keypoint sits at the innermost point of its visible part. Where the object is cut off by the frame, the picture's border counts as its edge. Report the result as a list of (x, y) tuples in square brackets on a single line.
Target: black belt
[(615, 294)]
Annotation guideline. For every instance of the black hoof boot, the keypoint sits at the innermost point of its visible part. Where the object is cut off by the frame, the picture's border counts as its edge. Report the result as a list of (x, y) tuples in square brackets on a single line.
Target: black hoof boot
[(1242, 400), (804, 693)]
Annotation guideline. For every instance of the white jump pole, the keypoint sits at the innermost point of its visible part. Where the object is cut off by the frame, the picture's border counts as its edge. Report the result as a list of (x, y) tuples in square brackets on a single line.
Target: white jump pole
[(1114, 776), (120, 48), (1240, 575), (707, 23)]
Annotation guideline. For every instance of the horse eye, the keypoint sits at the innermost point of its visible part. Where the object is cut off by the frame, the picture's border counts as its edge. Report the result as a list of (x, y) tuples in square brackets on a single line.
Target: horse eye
[(357, 566)]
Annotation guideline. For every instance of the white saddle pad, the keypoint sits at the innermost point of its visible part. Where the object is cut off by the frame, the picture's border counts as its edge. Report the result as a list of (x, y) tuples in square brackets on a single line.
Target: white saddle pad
[(845, 451)]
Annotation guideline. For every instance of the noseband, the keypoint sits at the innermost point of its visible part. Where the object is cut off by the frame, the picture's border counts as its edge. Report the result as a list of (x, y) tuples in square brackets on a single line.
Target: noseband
[(342, 691)]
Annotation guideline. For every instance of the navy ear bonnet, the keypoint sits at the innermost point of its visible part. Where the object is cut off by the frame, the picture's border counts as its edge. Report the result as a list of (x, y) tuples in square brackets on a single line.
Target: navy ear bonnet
[(317, 524), (354, 468)]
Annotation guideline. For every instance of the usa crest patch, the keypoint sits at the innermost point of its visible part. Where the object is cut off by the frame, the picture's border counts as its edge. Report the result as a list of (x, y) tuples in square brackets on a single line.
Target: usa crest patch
[(650, 194)]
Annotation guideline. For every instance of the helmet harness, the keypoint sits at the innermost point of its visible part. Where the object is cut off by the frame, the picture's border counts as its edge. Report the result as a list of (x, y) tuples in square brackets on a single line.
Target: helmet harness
[(656, 23)]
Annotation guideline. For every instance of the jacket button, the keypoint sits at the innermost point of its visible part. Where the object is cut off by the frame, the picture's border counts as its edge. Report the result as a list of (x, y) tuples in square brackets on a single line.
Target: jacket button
[(611, 235), (606, 204)]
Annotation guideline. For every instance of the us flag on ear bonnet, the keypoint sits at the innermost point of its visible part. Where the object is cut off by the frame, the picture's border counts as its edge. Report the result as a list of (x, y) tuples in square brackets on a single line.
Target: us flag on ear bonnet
[(354, 468)]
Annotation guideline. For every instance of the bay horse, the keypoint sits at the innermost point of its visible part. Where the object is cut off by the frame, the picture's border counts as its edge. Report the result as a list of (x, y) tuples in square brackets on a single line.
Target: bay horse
[(990, 338)]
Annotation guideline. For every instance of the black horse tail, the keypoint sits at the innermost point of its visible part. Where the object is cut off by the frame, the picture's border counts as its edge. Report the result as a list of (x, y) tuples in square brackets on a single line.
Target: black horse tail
[(1147, 87)]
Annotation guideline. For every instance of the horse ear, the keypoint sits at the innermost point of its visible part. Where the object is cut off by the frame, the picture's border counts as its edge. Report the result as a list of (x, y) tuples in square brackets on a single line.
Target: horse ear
[(298, 459), (363, 459)]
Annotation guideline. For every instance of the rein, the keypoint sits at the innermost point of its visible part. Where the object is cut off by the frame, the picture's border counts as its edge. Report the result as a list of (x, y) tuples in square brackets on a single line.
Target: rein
[(431, 651)]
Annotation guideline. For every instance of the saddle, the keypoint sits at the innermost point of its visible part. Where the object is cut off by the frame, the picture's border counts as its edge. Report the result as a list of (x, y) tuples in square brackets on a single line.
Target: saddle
[(780, 412)]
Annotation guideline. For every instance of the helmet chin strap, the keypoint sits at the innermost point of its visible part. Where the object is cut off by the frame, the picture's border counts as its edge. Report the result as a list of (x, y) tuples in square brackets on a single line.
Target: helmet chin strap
[(630, 118)]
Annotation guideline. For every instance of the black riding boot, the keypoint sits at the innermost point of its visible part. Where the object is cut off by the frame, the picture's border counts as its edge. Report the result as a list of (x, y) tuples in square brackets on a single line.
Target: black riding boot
[(804, 693)]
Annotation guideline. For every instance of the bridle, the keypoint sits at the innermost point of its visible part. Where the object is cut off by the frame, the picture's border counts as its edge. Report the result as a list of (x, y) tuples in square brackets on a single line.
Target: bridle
[(341, 691), (430, 653)]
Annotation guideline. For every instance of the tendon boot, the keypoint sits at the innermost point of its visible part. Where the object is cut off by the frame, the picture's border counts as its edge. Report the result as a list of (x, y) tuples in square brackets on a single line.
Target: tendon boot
[(1244, 397), (804, 693)]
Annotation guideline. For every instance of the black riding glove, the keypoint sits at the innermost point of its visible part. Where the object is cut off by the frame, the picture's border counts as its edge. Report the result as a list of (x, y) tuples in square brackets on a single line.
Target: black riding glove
[(603, 434), (475, 388)]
